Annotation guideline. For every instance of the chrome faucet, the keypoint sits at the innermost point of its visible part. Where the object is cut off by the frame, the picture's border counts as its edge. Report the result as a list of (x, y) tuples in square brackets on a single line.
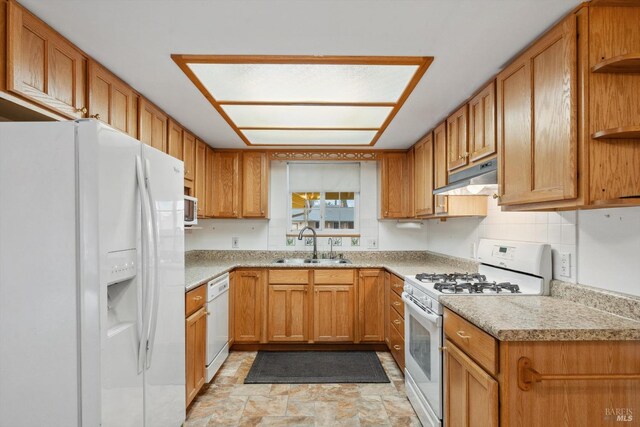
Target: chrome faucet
[(315, 240)]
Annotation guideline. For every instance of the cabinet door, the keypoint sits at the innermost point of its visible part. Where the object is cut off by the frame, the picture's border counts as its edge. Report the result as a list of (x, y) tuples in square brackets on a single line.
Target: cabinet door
[(200, 182), (424, 176), (255, 181), (387, 302), (288, 313), (248, 303), (440, 176), (458, 138), (371, 305), (208, 198), (537, 133), (333, 313), (196, 352), (471, 394), (112, 101), (189, 156), (44, 67), (482, 123), (226, 184), (175, 142), (152, 125), (393, 183)]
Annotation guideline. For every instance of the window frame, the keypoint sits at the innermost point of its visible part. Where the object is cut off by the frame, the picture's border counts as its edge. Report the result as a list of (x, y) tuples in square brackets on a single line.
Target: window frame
[(322, 231)]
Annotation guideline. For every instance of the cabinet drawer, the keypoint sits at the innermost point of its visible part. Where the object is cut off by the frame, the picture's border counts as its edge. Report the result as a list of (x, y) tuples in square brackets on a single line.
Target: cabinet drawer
[(288, 277), (195, 299), (397, 304), (477, 344), (397, 321), (396, 345), (397, 284), (333, 277)]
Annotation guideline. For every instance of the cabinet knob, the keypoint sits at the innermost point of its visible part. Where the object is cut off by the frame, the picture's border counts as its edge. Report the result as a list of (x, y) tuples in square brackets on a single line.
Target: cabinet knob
[(95, 116), (397, 347), (465, 155), (386, 212), (82, 110), (495, 196)]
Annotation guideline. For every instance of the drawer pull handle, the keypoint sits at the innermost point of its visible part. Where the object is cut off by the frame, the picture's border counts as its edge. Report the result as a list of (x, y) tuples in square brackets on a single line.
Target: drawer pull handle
[(396, 321), (396, 303), (197, 298), (395, 285), (527, 376), (397, 347), (462, 335)]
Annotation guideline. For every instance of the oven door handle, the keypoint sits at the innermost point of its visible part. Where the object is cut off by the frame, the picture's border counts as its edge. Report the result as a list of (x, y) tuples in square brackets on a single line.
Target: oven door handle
[(425, 314)]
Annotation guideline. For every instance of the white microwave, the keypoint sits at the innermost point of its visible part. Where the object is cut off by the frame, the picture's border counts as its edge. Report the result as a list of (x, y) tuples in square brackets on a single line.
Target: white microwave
[(190, 210)]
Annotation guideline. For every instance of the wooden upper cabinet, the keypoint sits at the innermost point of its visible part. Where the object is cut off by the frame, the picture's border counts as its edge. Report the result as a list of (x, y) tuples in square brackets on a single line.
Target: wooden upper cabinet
[(423, 173), (43, 66), (371, 305), (471, 394), (537, 121), (458, 138), (152, 125), (482, 123), (226, 184), (201, 176), (440, 173), (208, 198), (248, 305), (255, 185), (112, 100), (175, 144), (189, 156), (393, 185)]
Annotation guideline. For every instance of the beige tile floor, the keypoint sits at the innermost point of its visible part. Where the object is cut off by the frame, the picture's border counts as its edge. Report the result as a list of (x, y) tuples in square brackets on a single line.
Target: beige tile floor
[(227, 401)]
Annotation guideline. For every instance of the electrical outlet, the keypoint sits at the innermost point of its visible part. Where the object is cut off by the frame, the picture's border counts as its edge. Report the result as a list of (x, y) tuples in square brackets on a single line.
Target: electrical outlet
[(235, 242), (372, 244), (565, 264)]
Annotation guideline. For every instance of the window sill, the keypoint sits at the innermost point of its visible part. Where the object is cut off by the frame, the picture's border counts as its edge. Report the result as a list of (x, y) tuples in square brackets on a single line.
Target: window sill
[(326, 234)]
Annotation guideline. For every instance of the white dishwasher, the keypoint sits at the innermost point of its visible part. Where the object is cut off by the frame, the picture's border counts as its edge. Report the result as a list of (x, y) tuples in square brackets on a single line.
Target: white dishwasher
[(217, 324)]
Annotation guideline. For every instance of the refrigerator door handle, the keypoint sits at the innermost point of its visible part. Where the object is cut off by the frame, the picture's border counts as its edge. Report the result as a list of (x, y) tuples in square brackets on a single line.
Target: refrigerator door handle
[(154, 289), (146, 260)]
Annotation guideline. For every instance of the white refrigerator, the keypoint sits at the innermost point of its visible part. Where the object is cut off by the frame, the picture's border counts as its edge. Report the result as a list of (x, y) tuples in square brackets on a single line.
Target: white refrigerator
[(91, 278)]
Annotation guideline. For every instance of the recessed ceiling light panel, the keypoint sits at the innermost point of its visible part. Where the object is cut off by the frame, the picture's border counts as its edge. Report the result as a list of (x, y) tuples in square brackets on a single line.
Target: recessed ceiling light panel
[(301, 100)]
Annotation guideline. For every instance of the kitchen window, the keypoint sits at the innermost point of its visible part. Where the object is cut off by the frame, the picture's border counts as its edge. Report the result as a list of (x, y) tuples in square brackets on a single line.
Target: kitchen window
[(324, 196)]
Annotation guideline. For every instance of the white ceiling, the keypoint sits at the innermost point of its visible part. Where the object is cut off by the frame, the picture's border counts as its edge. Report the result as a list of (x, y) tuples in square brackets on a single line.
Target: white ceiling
[(470, 39)]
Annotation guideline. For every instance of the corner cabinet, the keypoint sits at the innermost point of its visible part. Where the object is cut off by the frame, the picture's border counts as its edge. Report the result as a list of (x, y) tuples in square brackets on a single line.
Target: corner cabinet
[(44, 67), (255, 185), (537, 120)]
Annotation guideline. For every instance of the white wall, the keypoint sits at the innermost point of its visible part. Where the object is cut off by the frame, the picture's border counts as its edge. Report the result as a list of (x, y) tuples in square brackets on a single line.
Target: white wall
[(604, 244), (456, 236), (271, 234)]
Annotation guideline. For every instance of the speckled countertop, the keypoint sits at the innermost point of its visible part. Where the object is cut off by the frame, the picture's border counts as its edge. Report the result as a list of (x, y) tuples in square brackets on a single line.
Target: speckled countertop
[(541, 318), (202, 266)]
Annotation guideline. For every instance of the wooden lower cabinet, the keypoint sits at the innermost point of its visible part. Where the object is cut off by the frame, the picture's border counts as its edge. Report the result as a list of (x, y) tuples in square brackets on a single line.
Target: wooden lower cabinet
[(288, 318), (195, 342), (249, 294), (371, 305), (471, 394), (395, 319), (334, 308)]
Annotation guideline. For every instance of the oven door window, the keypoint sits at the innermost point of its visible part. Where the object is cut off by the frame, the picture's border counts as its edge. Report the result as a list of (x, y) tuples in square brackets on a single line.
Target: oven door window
[(420, 346)]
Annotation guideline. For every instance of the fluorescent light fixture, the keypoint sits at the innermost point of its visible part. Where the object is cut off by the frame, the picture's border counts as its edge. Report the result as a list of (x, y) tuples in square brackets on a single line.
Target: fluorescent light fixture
[(305, 100)]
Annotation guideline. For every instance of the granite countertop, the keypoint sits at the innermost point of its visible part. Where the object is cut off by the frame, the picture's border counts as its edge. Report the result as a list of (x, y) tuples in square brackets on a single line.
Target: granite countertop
[(541, 318)]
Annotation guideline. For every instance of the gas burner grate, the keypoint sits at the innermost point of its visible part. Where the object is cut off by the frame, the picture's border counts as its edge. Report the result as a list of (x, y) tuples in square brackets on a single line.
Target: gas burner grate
[(450, 277)]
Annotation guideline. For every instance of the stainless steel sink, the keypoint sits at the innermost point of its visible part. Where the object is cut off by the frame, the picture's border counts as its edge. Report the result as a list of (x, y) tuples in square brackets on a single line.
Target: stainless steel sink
[(311, 261)]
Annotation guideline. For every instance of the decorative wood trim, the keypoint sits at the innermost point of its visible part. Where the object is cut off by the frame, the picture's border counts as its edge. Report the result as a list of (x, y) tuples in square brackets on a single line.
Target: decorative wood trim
[(423, 63), (326, 155)]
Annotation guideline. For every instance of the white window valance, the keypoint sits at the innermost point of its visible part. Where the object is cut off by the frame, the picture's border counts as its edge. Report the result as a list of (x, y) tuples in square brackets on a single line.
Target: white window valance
[(319, 177)]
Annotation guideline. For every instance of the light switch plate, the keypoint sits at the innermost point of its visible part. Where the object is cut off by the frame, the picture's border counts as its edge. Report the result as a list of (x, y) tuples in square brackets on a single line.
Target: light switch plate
[(235, 242), (565, 264), (372, 243)]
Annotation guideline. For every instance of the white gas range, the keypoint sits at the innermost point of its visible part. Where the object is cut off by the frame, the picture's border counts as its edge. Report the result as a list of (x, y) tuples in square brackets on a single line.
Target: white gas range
[(506, 268)]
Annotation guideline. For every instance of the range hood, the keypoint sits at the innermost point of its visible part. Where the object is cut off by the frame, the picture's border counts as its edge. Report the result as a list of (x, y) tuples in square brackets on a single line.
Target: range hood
[(481, 179)]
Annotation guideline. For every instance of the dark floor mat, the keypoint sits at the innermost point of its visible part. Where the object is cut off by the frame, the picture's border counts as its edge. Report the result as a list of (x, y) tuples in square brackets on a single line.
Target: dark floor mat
[(309, 367)]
